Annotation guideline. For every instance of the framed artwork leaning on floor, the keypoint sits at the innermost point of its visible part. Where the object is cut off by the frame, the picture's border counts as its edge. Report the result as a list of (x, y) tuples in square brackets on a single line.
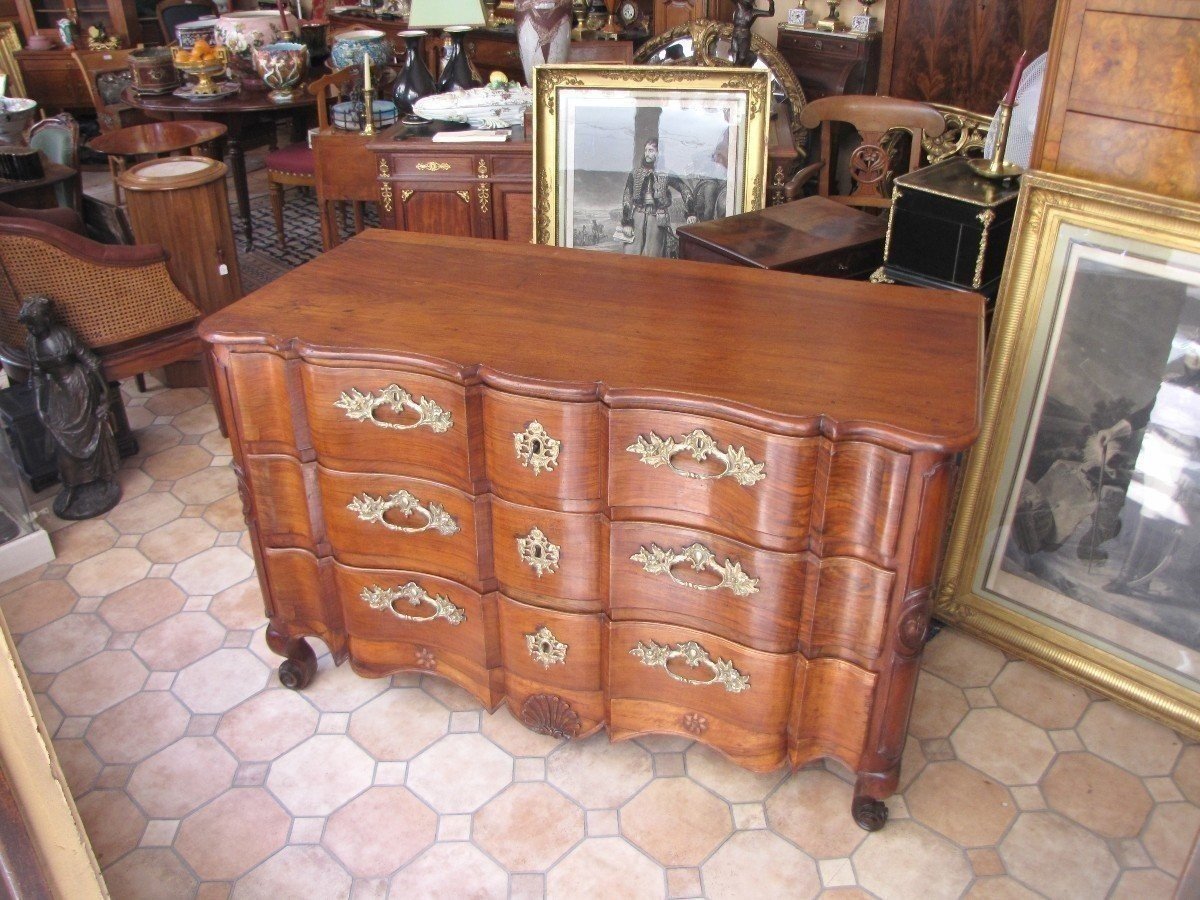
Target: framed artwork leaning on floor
[(1077, 539), (624, 155)]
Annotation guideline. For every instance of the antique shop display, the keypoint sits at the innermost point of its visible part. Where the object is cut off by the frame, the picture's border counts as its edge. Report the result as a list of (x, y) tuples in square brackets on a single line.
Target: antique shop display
[(16, 114), (624, 155), (843, 63), (1075, 542), (558, 502), (153, 70), (203, 63), (949, 227), (543, 33), (72, 401)]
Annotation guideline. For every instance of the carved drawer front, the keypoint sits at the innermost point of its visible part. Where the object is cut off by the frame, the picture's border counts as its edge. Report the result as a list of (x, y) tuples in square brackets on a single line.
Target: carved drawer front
[(279, 492), (862, 499), (847, 602), (294, 578), (403, 523), (664, 573), (433, 166), (543, 452), (553, 558), (826, 45), (711, 474), (552, 653), (663, 678), (382, 420), (263, 417)]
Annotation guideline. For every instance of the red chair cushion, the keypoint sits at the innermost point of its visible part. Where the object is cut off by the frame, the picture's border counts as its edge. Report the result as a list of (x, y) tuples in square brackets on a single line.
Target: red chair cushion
[(295, 159)]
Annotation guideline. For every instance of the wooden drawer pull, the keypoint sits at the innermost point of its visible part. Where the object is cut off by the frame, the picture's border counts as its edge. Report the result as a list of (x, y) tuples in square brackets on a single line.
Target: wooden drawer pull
[(385, 598), (536, 449), (658, 561), (723, 672), (361, 407), (538, 553), (374, 509), (656, 451)]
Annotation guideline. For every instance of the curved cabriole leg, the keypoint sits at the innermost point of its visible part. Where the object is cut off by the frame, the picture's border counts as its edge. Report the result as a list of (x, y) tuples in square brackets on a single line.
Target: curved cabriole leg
[(870, 814), (298, 669)]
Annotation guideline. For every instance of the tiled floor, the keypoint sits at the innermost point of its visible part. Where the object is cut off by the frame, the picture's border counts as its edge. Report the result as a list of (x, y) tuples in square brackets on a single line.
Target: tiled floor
[(198, 775)]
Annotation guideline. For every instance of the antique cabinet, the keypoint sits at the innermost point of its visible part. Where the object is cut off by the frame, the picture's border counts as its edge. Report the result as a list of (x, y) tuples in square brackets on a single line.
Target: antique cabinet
[(959, 52), (496, 463), (1122, 95), (118, 17), (54, 80), (825, 63)]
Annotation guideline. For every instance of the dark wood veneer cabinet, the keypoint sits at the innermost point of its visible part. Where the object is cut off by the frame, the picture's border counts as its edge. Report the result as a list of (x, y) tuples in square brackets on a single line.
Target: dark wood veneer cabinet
[(642, 494)]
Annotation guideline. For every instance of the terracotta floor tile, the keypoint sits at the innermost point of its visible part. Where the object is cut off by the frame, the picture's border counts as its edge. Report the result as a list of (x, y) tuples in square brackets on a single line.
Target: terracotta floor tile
[(113, 824), (1170, 834), (481, 770), (206, 486), (753, 865), (240, 606), (212, 571), (962, 660), (985, 861), (938, 707), (225, 514), (149, 874), (234, 833), (1002, 888), (320, 775), (506, 828), (676, 822), (144, 513), (812, 809), (728, 780), (1097, 795), (907, 860), (1148, 884), (1063, 860), (199, 420), (598, 773), (961, 803), (36, 605), (1131, 741), (82, 540), (179, 641), (154, 439), (352, 834), (267, 725), (142, 604), (295, 871), (174, 402), (108, 571), (220, 681), (177, 540), (137, 727), (603, 868), (216, 443), (457, 870), (176, 462), (79, 764), (374, 725), (175, 781), (449, 694), (92, 686), (1004, 746), (1038, 696), (514, 737), (62, 643)]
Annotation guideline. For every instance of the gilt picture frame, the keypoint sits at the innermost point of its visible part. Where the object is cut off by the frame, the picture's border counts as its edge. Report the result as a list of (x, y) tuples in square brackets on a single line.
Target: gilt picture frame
[(624, 155), (1076, 542)]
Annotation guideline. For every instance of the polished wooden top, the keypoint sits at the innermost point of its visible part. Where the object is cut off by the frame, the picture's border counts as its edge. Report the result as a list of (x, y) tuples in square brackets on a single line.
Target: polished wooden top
[(156, 137), (246, 100), (789, 353)]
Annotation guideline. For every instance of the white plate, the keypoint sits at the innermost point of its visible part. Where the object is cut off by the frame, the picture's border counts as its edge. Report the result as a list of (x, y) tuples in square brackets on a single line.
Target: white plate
[(224, 89)]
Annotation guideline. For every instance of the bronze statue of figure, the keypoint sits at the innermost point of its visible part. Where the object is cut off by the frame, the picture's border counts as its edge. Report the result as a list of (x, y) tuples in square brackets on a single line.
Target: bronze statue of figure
[(744, 14), (72, 403)]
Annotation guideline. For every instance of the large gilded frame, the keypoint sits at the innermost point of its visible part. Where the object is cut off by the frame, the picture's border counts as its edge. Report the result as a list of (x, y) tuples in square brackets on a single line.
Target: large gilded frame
[(551, 81), (1028, 294)]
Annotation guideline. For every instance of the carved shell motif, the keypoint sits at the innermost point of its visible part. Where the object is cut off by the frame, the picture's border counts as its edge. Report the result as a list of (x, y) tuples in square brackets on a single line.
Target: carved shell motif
[(550, 714)]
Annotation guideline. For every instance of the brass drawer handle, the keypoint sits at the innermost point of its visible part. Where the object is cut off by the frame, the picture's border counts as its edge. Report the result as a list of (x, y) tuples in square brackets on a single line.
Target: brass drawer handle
[(360, 407), (538, 553), (658, 561), (723, 672), (373, 509), (536, 449), (656, 451), (545, 648), (433, 166), (385, 598)]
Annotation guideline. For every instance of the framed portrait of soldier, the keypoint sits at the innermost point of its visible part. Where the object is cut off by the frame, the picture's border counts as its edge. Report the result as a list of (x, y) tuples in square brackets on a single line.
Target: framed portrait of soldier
[(1077, 538), (624, 155)]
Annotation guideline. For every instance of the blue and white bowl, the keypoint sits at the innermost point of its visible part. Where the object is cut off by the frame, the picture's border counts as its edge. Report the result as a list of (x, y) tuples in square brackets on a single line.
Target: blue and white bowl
[(349, 47)]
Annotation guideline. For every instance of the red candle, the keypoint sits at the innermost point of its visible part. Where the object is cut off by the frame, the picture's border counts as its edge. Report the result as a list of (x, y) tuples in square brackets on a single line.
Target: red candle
[(1011, 96)]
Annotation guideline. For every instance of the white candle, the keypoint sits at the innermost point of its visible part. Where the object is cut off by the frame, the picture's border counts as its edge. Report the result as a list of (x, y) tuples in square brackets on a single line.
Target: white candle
[(366, 71), (299, 12)]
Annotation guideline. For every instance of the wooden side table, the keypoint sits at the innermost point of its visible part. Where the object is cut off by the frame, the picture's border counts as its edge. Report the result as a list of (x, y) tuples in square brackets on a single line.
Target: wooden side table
[(831, 62), (125, 146)]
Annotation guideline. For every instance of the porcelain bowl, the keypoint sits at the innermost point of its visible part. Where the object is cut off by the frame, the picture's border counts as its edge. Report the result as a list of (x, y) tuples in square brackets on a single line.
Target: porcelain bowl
[(241, 33), (15, 115), (349, 47), (188, 33)]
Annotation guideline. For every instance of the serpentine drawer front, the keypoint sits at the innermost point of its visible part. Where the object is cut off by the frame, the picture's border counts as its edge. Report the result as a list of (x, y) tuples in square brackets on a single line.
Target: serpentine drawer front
[(634, 494)]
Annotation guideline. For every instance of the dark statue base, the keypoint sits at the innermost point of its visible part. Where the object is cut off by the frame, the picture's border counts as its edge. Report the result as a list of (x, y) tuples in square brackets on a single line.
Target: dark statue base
[(88, 500)]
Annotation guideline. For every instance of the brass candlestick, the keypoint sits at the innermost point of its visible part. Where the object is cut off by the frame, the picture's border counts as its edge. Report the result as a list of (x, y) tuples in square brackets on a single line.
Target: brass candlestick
[(998, 168), (368, 111)]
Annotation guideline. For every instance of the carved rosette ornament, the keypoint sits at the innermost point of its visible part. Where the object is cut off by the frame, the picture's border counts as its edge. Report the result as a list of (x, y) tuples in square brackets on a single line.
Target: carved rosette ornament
[(536, 449), (550, 714), (360, 407), (538, 553), (426, 659), (657, 561), (695, 723), (545, 648), (656, 451)]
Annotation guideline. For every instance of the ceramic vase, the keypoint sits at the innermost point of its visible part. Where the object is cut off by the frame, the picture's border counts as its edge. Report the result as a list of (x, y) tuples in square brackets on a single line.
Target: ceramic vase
[(281, 67), (456, 67), (349, 47), (414, 80), (543, 33), (241, 33)]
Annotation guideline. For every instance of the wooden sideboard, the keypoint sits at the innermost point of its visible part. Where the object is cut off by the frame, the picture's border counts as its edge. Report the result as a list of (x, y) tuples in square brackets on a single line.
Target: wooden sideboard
[(831, 63), (642, 494)]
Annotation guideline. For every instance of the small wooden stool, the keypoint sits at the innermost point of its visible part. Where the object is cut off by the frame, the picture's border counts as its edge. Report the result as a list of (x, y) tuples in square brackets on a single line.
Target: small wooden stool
[(816, 236), (126, 145)]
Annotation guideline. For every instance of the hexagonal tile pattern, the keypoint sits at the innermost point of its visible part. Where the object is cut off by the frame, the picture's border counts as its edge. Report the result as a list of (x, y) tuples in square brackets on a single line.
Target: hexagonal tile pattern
[(677, 822), (82, 540), (1169, 835), (1139, 885), (142, 604), (320, 775), (812, 809), (907, 860), (226, 514), (502, 827), (177, 462), (962, 660), (598, 773), (938, 707), (108, 571), (137, 727), (481, 770), (514, 737), (1039, 696), (175, 781), (728, 780), (1131, 741), (339, 688), (295, 871), (1187, 773), (206, 486), (197, 420), (79, 764), (603, 868), (399, 724), (213, 570), (1004, 746), (1097, 795), (63, 643), (114, 825), (36, 605), (234, 833), (172, 403), (220, 681), (961, 803), (1039, 842), (179, 641), (177, 540), (239, 607), (145, 513), (352, 833), (267, 725), (736, 870), (150, 873), (92, 686), (438, 872)]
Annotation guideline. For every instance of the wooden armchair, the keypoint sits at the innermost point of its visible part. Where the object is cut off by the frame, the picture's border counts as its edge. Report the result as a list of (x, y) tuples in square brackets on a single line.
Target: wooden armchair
[(58, 138), (120, 300)]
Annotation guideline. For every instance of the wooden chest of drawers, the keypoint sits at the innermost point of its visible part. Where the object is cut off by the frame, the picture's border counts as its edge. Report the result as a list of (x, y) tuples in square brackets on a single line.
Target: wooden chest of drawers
[(651, 495)]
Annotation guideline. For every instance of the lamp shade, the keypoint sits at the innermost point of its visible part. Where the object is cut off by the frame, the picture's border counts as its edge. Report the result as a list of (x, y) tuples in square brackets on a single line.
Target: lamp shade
[(440, 13)]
